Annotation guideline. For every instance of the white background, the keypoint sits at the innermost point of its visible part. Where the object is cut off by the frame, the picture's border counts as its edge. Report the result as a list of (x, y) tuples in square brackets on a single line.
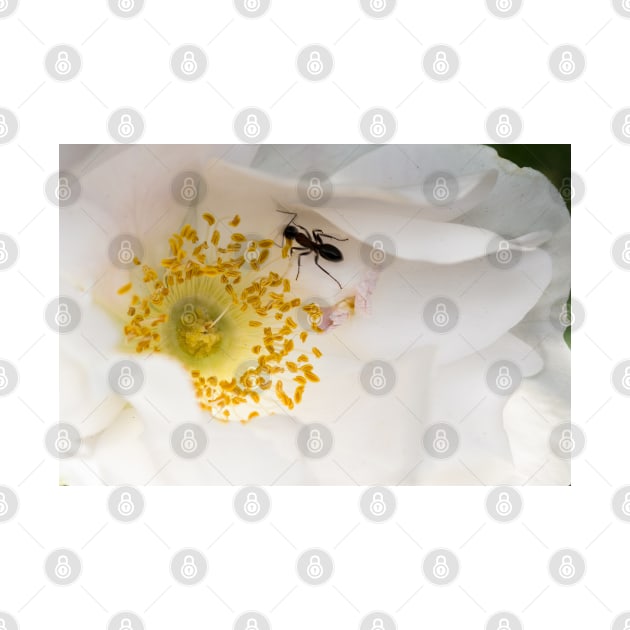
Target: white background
[(251, 62)]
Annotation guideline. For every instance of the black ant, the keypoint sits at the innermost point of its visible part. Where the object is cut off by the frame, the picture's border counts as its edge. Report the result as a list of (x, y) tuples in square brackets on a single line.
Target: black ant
[(311, 243)]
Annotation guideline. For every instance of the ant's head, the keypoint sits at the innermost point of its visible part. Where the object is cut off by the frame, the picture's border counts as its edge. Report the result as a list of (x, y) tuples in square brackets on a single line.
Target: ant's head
[(291, 232)]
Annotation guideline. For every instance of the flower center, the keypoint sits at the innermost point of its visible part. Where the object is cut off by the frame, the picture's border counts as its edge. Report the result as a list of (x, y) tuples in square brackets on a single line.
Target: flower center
[(197, 326), (213, 308)]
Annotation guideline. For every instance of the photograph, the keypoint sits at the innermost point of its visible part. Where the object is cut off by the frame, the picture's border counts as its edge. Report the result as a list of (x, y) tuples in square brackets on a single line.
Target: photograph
[(314, 315)]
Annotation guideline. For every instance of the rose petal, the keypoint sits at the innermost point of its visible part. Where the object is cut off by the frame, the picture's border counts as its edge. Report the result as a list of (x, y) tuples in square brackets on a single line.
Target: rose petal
[(490, 301), (460, 397)]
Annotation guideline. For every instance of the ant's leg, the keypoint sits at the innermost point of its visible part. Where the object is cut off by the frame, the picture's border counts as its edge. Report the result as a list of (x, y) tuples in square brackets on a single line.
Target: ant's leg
[(328, 274), (317, 235), (306, 231), (294, 214), (306, 253)]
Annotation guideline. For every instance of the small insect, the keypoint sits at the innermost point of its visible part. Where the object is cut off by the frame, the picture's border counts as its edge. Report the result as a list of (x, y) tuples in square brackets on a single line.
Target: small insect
[(311, 243)]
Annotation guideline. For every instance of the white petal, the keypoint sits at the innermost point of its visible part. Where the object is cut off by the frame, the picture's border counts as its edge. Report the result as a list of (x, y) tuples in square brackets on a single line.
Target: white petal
[(538, 406), (294, 160), (376, 438), (128, 190), (121, 455), (86, 399), (460, 397), (490, 302), (167, 393)]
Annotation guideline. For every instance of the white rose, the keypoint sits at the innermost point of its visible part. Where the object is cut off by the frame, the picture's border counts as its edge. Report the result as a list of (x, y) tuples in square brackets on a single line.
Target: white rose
[(447, 254)]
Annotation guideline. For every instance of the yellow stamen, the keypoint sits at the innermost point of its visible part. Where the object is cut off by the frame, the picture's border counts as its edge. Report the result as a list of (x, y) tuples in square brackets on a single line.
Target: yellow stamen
[(214, 313)]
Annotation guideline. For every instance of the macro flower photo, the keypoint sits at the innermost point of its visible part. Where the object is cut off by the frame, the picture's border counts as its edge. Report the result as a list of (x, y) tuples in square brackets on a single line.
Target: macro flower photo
[(312, 315)]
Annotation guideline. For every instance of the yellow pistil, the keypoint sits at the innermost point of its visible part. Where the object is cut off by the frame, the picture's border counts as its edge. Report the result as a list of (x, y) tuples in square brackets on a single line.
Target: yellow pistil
[(227, 323)]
